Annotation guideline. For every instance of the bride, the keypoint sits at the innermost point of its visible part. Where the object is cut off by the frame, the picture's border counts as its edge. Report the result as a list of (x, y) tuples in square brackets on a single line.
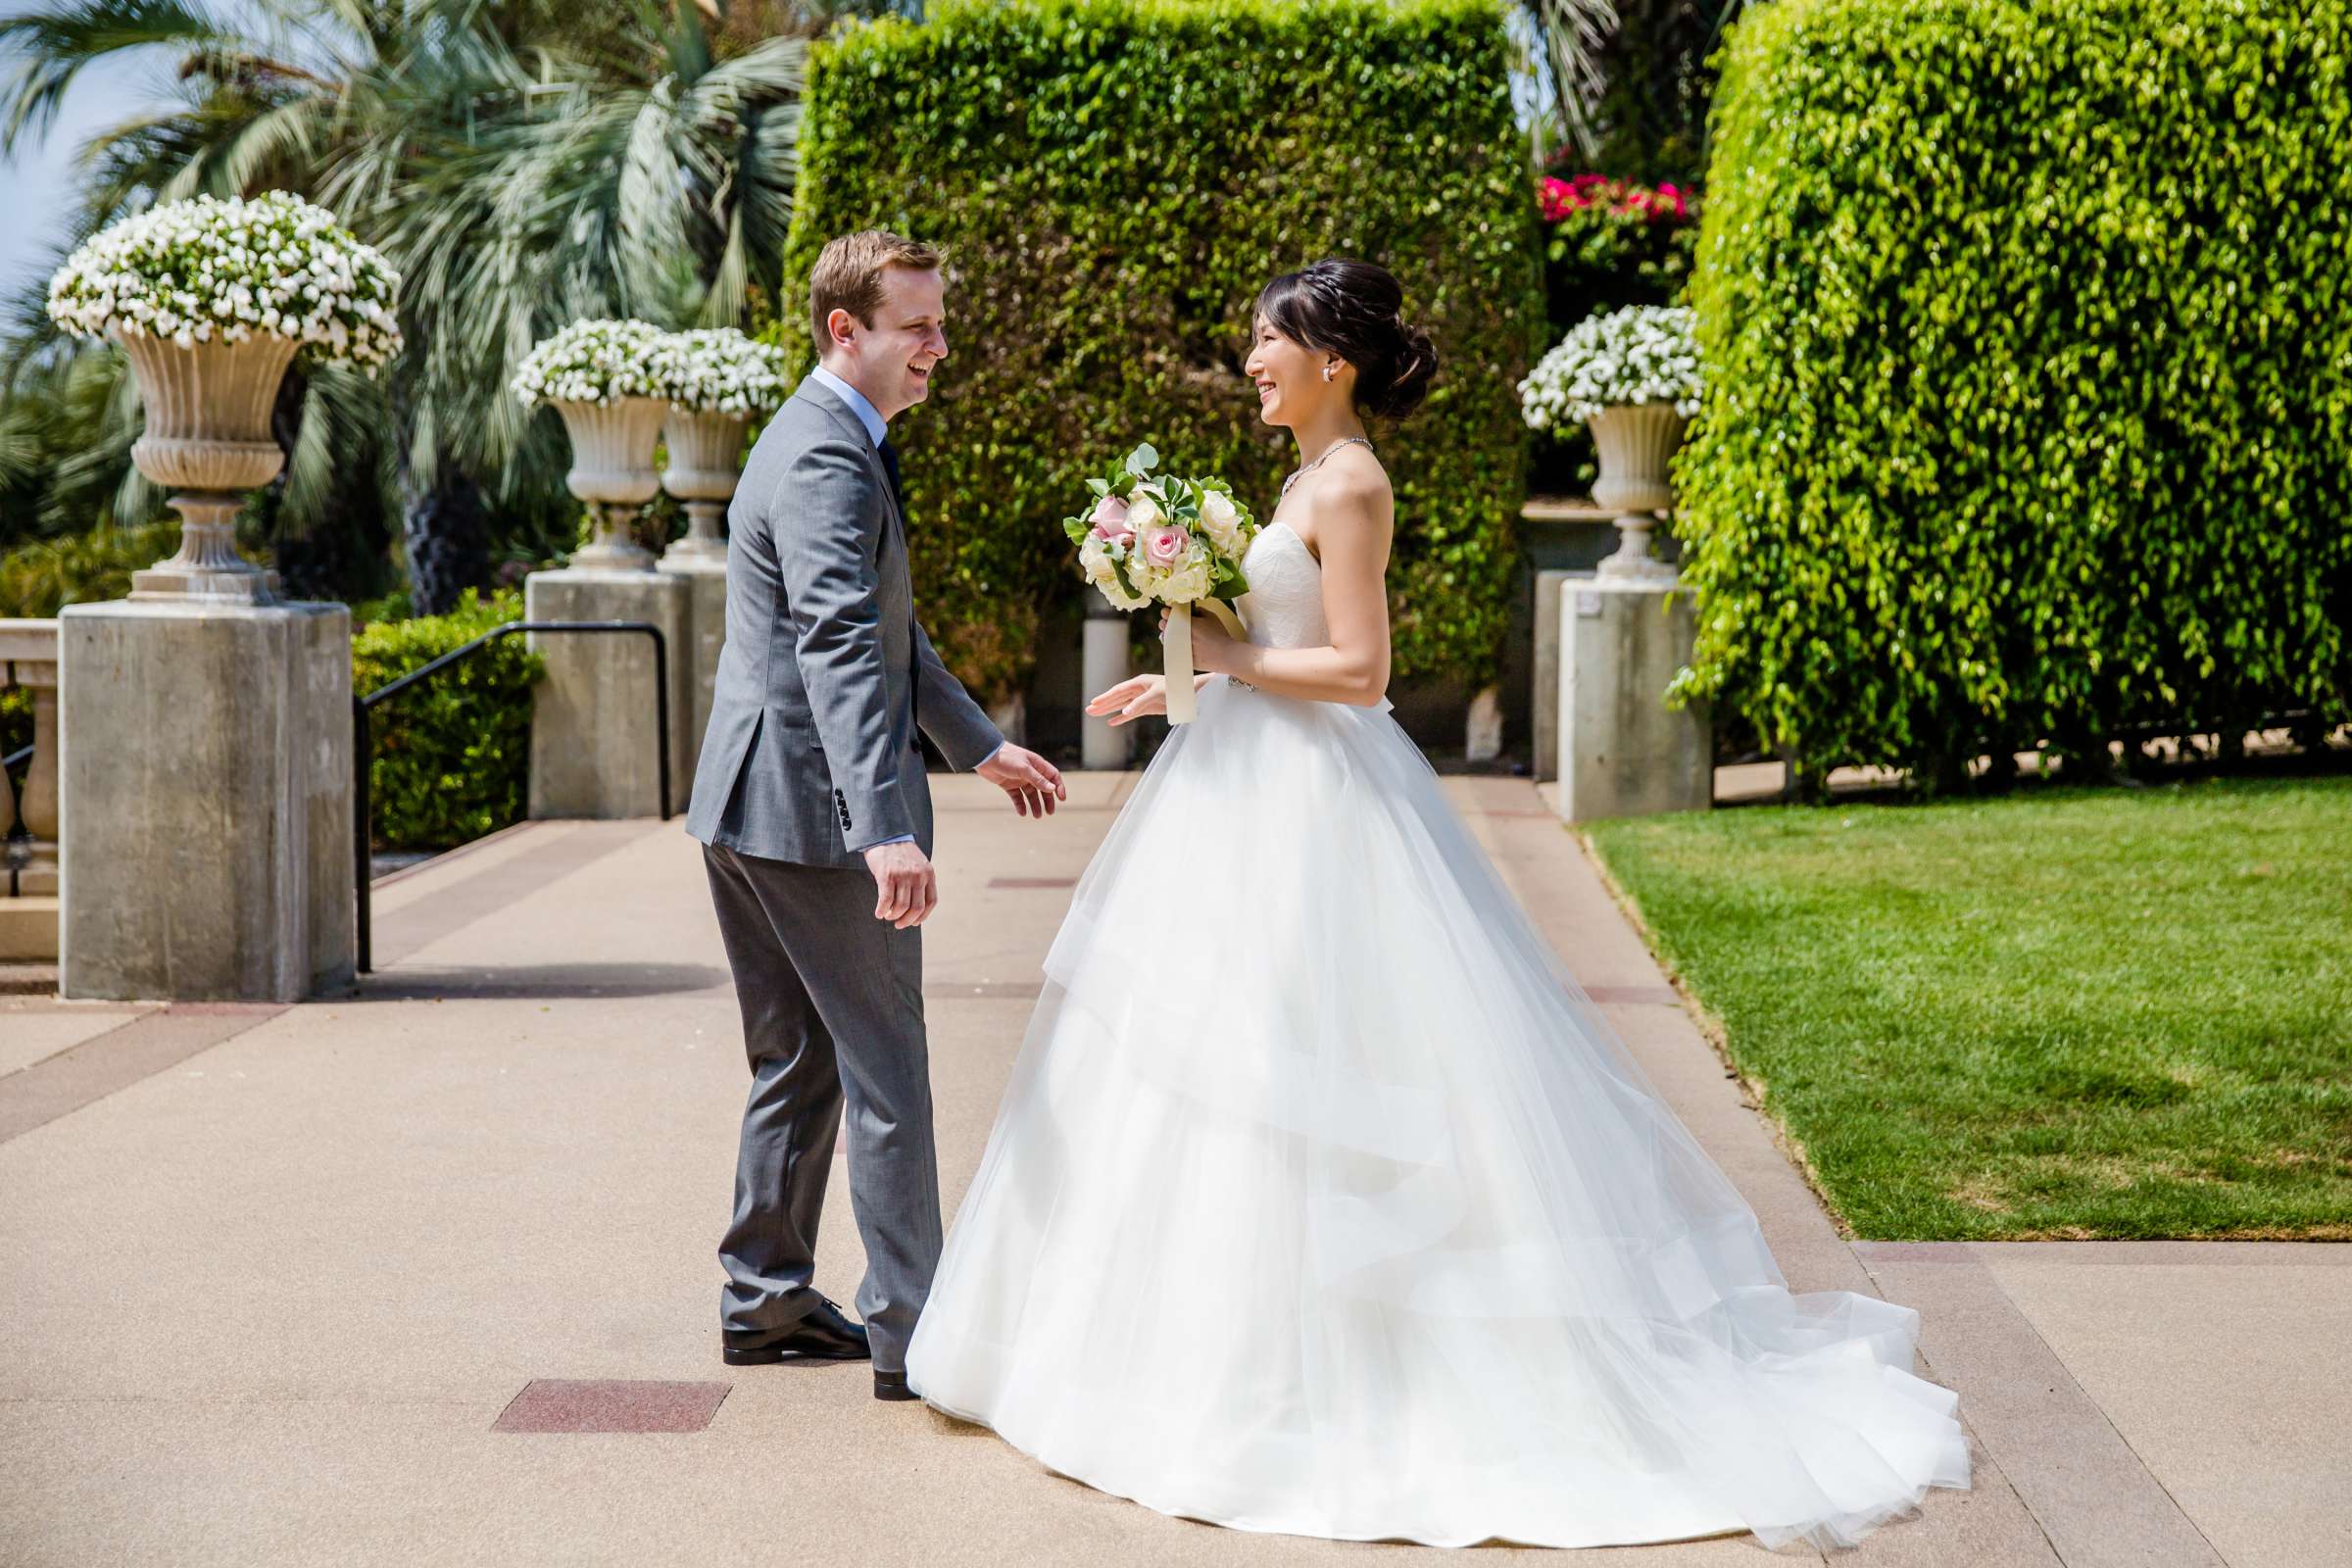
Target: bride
[(1321, 1199)]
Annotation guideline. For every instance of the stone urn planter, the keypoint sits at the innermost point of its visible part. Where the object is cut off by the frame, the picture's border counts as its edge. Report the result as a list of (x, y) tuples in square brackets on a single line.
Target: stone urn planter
[(208, 438), (613, 470), (1636, 444), (210, 300), (705, 449)]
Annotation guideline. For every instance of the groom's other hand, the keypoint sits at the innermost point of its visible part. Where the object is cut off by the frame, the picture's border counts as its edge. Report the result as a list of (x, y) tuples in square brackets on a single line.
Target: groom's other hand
[(905, 888), (1034, 783)]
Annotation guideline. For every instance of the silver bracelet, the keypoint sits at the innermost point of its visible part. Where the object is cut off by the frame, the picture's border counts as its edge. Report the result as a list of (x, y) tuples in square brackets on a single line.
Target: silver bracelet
[(1243, 684)]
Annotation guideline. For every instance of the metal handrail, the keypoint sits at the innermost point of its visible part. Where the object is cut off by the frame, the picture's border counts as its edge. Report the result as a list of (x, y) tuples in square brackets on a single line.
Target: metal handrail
[(15, 838), (363, 811)]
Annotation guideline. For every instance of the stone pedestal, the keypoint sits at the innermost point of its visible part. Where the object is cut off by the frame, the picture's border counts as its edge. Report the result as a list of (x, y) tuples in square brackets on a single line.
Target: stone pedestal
[(705, 579), (592, 718), (1105, 660), (1544, 678), (205, 832), (1622, 751)]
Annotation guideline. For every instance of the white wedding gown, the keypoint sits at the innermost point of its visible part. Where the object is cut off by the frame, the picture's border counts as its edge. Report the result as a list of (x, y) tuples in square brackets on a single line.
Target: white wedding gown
[(1322, 1200)]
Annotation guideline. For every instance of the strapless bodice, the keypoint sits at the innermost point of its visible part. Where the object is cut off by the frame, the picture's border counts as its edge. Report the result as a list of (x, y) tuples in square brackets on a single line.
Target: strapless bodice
[(1284, 607)]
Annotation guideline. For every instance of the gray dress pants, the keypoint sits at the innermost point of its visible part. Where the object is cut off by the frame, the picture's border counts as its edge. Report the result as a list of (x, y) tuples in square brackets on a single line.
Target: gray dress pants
[(832, 1005)]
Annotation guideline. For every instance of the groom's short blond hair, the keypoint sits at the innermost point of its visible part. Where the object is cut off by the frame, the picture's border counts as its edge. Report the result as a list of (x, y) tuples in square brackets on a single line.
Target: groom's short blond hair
[(848, 275)]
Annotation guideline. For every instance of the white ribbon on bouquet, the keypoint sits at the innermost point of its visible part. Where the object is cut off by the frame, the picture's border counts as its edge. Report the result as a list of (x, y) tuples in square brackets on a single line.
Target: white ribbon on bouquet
[(1176, 653)]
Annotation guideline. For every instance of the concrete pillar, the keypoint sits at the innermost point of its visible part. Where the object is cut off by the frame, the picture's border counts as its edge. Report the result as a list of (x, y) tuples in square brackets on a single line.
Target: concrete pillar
[(1107, 658), (705, 579), (1544, 678), (592, 718), (1481, 740), (204, 824), (1622, 751)]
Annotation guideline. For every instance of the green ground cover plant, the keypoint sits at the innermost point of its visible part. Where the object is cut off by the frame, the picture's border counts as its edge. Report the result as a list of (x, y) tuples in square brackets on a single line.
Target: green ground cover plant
[(453, 753)]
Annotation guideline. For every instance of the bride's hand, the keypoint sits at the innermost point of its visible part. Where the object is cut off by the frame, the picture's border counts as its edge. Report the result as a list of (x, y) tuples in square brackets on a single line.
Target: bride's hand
[(1138, 696), (1135, 698), (1210, 640)]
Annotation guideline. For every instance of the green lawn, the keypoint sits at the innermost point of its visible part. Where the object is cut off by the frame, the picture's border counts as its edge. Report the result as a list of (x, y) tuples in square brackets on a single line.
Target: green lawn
[(2070, 1012)]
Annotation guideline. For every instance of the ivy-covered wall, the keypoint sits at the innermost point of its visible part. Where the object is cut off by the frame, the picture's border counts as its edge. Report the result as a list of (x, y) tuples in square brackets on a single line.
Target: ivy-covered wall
[(1115, 179), (2029, 335)]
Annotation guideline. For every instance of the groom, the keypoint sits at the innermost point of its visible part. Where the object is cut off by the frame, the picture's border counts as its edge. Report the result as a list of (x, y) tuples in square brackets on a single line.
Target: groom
[(814, 814)]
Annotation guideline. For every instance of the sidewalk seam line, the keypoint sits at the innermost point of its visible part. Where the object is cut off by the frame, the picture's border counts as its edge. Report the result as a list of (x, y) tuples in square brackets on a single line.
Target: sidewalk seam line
[(252, 1022), (2105, 1419)]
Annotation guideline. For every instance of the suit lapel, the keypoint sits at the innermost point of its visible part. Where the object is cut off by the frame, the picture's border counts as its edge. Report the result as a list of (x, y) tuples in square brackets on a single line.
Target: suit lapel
[(824, 397), (841, 415)]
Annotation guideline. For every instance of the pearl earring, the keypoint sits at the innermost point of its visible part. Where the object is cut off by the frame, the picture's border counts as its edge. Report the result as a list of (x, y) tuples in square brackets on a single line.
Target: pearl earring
[(1326, 372)]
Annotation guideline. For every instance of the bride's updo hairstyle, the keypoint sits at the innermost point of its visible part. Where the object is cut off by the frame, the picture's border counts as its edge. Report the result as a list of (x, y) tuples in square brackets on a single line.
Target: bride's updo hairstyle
[(1351, 309)]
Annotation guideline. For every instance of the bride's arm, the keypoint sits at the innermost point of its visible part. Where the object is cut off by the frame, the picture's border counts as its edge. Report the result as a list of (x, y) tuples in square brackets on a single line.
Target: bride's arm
[(1355, 522)]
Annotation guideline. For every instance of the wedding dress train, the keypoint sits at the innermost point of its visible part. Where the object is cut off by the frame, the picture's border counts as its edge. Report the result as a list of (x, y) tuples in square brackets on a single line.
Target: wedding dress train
[(1322, 1200)]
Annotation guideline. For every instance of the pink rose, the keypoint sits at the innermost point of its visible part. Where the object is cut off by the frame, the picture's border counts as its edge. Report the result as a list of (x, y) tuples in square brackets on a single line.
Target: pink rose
[(1110, 522), (1165, 546)]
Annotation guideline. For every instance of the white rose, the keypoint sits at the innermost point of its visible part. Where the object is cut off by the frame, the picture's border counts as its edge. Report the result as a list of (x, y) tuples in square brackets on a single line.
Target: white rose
[(1094, 561), (1188, 580), (1143, 511), (1221, 520)]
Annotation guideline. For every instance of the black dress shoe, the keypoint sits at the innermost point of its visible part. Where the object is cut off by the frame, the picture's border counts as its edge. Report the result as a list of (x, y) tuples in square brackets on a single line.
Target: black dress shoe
[(893, 1386), (823, 1335)]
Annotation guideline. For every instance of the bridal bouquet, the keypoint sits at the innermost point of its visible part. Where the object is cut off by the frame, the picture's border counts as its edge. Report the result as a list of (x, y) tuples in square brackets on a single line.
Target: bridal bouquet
[(1163, 539)]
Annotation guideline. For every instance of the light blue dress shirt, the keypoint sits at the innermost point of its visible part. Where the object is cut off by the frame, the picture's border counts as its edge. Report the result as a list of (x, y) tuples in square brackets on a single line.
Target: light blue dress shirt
[(867, 414), (876, 427)]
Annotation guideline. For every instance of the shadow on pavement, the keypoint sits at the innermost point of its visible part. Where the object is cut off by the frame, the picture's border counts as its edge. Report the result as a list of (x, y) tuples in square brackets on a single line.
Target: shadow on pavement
[(543, 981)]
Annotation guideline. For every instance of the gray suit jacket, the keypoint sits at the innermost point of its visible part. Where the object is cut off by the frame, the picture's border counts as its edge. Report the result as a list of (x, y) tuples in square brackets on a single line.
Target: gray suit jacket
[(810, 754)]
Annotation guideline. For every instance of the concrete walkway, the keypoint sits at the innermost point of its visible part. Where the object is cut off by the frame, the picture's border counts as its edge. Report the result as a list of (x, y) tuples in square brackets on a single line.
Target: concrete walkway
[(333, 1283)]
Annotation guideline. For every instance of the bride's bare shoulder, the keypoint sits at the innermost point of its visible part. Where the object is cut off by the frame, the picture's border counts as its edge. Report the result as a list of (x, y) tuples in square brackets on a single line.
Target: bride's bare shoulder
[(1354, 501)]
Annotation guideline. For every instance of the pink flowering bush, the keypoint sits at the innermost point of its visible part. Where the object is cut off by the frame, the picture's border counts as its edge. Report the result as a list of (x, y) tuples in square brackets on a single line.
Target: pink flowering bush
[(1558, 198)]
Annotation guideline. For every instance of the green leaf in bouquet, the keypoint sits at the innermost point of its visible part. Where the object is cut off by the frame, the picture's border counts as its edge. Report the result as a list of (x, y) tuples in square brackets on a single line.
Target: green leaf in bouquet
[(1118, 569), (1077, 528), (1142, 460), (1100, 487)]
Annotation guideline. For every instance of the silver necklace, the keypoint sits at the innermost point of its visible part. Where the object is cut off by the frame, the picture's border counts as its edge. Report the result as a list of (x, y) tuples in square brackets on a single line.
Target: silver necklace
[(1323, 457)]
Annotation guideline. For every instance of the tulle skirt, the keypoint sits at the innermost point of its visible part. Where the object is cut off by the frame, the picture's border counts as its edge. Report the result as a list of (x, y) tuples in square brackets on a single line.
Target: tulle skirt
[(1322, 1200)]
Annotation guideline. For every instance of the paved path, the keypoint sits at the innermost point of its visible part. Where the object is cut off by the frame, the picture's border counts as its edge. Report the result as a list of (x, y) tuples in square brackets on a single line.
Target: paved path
[(276, 1283)]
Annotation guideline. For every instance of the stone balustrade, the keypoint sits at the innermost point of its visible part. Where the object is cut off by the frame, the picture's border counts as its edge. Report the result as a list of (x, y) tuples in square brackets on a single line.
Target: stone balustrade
[(29, 815)]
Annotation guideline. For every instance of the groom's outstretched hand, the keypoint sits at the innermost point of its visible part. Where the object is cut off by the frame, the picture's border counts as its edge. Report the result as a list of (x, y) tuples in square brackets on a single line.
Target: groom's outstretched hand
[(905, 888), (1034, 783)]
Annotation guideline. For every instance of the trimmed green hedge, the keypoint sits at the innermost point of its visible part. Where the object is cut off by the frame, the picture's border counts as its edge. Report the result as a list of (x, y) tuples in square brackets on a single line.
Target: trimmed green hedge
[(2028, 330), (1115, 179), (40, 577), (453, 755)]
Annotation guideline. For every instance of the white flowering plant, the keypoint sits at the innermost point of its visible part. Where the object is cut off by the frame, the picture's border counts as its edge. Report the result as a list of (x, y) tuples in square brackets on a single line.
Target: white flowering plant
[(592, 362), (719, 370), (214, 270), (1161, 538), (1640, 353)]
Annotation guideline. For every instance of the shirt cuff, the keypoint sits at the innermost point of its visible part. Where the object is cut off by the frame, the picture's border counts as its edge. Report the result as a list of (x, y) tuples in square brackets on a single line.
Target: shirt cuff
[(903, 838), (989, 757)]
